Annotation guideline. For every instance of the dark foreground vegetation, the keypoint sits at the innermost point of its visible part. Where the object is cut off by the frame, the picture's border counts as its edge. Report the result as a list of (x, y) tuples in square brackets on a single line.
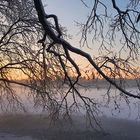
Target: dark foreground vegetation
[(39, 128)]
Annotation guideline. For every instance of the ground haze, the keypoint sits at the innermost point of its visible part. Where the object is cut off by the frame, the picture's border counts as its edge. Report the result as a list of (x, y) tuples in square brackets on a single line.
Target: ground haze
[(39, 128)]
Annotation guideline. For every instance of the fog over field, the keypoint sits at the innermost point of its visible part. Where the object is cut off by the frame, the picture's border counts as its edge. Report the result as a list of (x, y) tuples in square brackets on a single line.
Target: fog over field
[(122, 124), (28, 127)]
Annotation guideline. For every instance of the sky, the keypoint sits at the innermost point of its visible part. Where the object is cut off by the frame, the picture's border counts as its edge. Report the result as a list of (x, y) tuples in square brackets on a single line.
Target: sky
[(71, 11), (67, 11)]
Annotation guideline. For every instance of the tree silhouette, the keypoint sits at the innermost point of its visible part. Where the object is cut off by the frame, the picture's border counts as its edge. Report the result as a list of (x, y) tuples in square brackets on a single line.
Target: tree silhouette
[(32, 45)]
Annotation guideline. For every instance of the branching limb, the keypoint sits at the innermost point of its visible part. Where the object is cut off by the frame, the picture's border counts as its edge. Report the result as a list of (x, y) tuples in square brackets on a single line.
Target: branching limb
[(67, 46)]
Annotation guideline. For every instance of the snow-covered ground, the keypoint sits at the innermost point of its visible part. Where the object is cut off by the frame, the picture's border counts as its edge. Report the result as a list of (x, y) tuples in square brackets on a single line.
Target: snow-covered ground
[(7, 136), (35, 127)]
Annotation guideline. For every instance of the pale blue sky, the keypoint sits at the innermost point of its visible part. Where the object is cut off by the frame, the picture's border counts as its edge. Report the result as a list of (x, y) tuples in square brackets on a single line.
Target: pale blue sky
[(69, 11)]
